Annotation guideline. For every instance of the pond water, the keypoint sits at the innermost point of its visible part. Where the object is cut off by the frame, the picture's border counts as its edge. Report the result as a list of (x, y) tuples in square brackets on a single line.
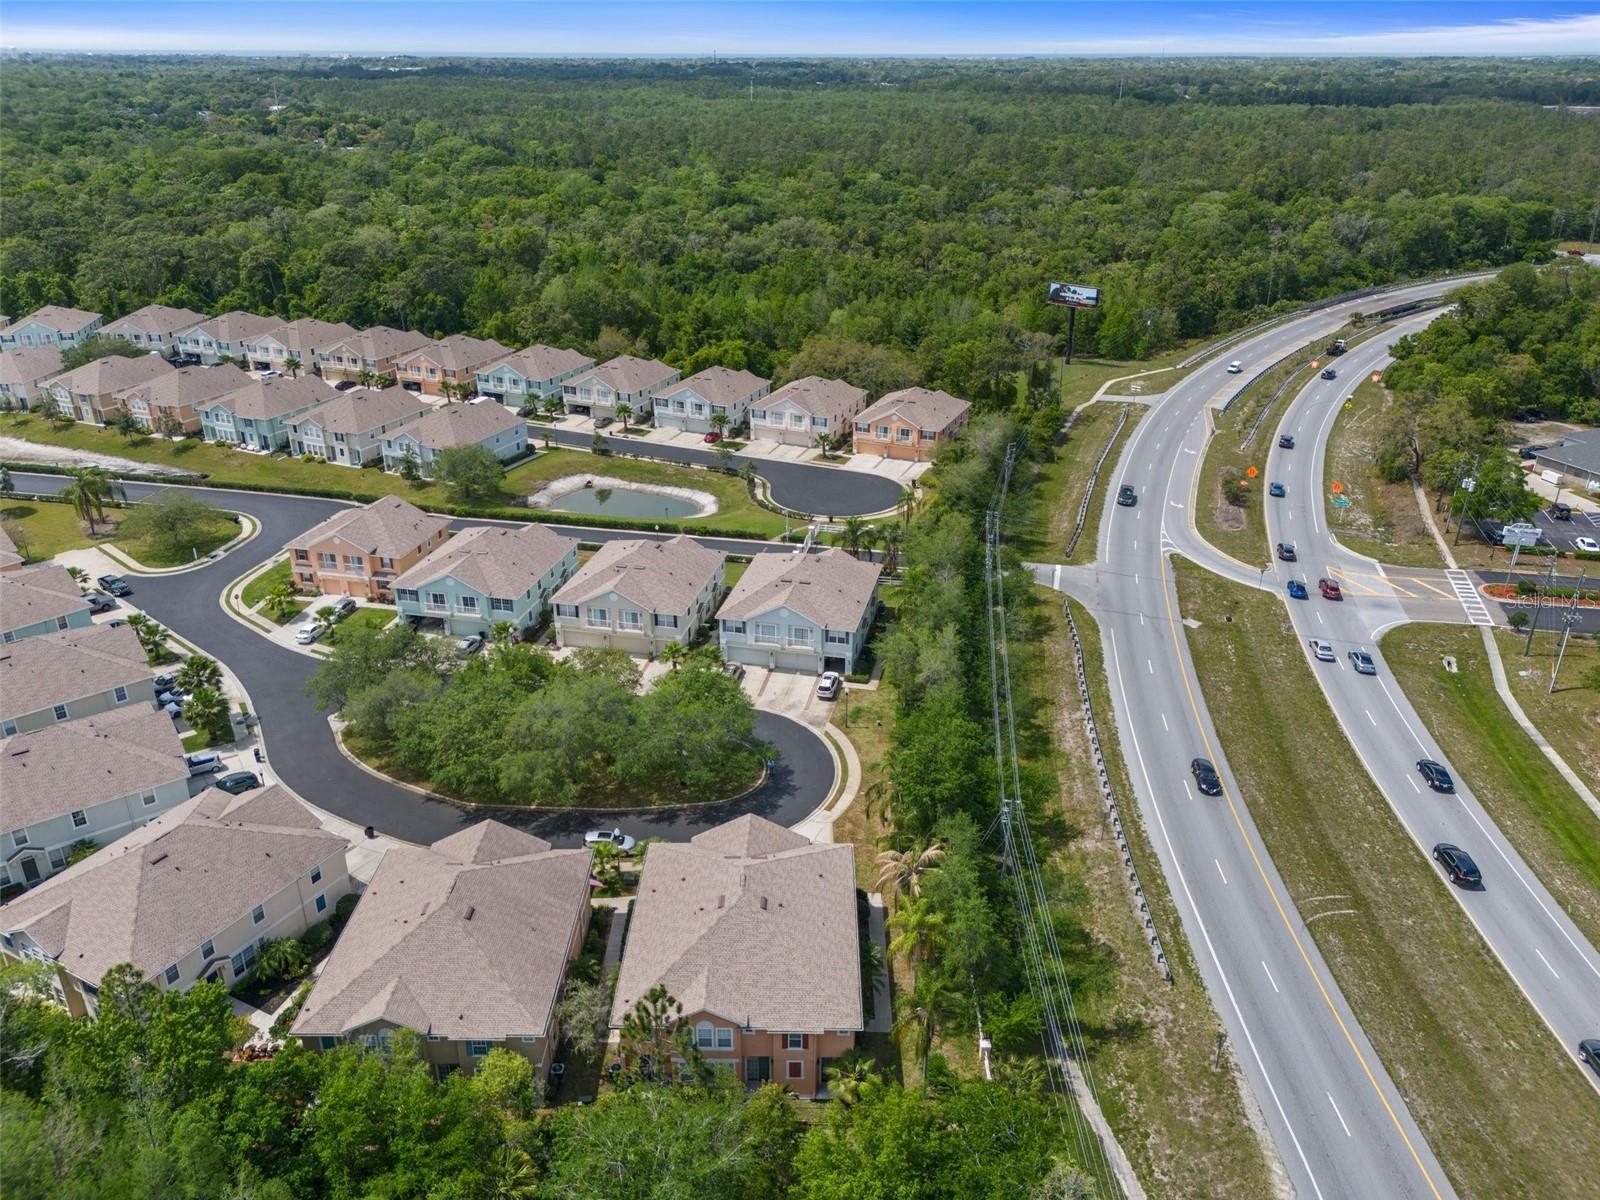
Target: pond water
[(625, 502)]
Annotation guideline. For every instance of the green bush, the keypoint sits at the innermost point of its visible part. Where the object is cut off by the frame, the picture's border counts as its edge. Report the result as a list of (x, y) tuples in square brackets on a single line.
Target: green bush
[(343, 909), (315, 938)]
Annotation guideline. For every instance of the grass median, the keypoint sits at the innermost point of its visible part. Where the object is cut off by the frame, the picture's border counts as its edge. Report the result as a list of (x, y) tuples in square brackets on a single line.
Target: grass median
[(1499, 1101), (1057, 491), (43, 529)]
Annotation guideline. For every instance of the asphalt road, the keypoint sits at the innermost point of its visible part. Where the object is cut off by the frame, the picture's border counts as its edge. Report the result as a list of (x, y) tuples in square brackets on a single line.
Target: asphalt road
[(299, 742)]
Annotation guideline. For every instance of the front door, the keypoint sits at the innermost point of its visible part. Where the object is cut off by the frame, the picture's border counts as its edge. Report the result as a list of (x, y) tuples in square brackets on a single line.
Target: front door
[(30, 871), (757, 1071)]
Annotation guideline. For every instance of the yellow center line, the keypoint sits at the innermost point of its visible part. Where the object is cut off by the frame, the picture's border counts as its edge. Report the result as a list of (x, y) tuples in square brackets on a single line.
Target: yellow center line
[(1283, 916)]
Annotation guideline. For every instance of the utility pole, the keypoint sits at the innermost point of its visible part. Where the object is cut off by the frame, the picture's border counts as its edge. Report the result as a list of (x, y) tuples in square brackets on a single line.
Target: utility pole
[(1468, 485), (1549, 579), (1568, 620)]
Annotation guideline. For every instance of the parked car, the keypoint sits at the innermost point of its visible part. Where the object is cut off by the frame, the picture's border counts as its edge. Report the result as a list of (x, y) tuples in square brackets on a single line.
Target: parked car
[(172, 705), (1296, 589), (1322, 650), (1362, 662), (733, 670), (712, 438), (604, 422), (1530, 451), (1589, 1051), (1286, 551), (1329, 589), (829, 684), (610, 837), (1126, 496), (1329, 373), (1587, 544), (1206, 777), (238, 781), (163, 683), (116, 624), (170, 696), (1458, 864), (271, 375), (1286, 441), (1435, 776), (470, 644), (115, 584), (206, 762), (343, 608), (1235, 367), (344, 385), (99, 602), (1561, 511), (311, 633), (1277, 489)]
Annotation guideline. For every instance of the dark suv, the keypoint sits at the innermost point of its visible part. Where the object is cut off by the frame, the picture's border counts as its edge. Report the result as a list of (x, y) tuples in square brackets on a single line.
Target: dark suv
[(1206, 778), (1286, 551), (1286, 441), (1435, 776), (1126, 497), (1458, 864)]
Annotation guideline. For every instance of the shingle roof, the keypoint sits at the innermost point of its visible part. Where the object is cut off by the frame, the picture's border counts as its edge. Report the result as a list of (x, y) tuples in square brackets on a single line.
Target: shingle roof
[(719, 385), (60, 318), (832, 398), (751, 926), (388, 527), (113, 373), (625, 373), (153, 896), (55, 667), (29, 364), (187, 386), (662, 576), (264, 399), (826, 585), (39, 593), (918, 406), (363, 409), (460, 425), (1577, 452), (307, 334), (157, 318), (8, 551), (237, 325), (381, 342), (467, 938), (52, 771), (458, 352), (493, 560), (541, 362)]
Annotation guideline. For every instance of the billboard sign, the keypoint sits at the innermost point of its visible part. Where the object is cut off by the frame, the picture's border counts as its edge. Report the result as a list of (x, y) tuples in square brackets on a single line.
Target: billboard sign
[(1073, 295), (1522, 535)]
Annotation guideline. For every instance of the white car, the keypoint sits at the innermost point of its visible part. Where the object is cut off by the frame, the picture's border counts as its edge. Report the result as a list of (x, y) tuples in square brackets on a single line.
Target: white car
[(611, 837), (1236, 367), (470, 644), (206, 762), (310, 633), (828, 685), (1587, 545), (1322, 650)]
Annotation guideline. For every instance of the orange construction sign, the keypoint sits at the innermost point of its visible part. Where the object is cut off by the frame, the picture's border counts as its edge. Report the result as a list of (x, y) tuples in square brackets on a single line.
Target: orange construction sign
[(1252, 472), (1337, 487), (1377, 377)]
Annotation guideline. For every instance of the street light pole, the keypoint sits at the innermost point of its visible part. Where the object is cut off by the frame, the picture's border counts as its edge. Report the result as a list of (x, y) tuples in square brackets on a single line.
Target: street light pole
[(1568, 620), (1527, 646)]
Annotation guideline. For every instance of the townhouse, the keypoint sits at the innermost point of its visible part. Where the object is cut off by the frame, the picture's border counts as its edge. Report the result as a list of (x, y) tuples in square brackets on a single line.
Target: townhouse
[(621, 380), (257, 415), (360, 551), (466, 941), (910, 424), (453, 360), (178, 395), (810, 610), (155, 327), (39, 600), (530, 375), (295, 346), (493, 426), (24, 372), (752, 928), (52, 325), (803, 410), (193, 894), (639, 596), (349, 429), (368, 352), (488, 574), (225, 337), (90, 780), (71, 675), (89, 393), (713, 392)]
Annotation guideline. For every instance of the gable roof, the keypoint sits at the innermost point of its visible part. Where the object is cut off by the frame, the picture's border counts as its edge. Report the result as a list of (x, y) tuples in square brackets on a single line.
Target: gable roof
[(1578, 452), (52, 771), (541, 362), (719, 385), (187, 386), (380, 342), (625, 373), (389, 527), (832, 398), (467, 938), (663, 576), (39, 593), (267, 399), (494, 560), (114, 373), (55, 667), (460, 425), (751, 926), (307, 333), (824, 585), (919, 407), (59, 318), (29, 364), (236, 325), (458, 352), (153, 896), (156, 318), (361, 409)]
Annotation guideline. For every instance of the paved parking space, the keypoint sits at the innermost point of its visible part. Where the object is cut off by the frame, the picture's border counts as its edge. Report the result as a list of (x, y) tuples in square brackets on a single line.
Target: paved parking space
[(788, 694)]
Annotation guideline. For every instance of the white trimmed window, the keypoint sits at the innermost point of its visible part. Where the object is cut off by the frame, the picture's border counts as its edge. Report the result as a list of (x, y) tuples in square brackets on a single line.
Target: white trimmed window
[(147, 797), (60, 712), (477, 1049), (120, 693), (794, 1069), (566, 610), (316, 874), (794, 1041), (704, 1035), (79, 818), (632, 620), (258, 915), (599, 617), (766, 633)]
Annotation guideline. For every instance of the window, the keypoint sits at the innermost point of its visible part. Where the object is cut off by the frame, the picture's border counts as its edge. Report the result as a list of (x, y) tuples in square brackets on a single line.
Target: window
[(477, 1049), (733, 627), (699, 409), (79, 818), (863, 427), (327, 1043), (322, 903), (61, 622), (928, 435), (243, 961), (436, 599), (838, 638), (60, 711), (120, 693), (902, 434), (386, 564), (794, 1041), (496, 604), (703, 1035), (724, 1039), (405, 594), (799, 635), (632, 620), (147, 797), (599, 617), (797, 420), (766, 633), (316, 874), (324, 559), (172, 973), (760, 414), (793, 1069), (566, 610), (207, 948), (58, 859), (819, 422), (468, 603), (666, 620), (883, 432), (353, 562), (257, 915), (10, 728)]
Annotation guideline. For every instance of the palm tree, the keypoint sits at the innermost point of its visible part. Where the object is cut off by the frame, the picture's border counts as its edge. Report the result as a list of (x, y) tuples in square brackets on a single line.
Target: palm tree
[(624, 411), (281, 958), (199, 672), (823, 443), (206, 709), (850, 534), (650, 1030), (292, 365), (79, 575), (917, 930), (870, 537), (366, 377), (908, 505), (850, 1076), (719, 422), (500, 633), (674, 653), (893, 538), (513, 1175), (903, 870), (87, 493), (921, 1010), (151, 635), (279, 604)]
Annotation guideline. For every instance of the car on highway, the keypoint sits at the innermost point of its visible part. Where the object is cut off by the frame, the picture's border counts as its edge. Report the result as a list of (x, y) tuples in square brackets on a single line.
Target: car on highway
[(99, 602), (609, 837), (310, 633), (1126, 496), (1296, 589), (470, 644), (115, 584), (1286, 441), (1277, 489), (1322, 650), (1235, 367), (1587, 544), (1329, 373), (1206, 777), (1458, 864), (1362, 662), (1435, 776), (1589, 1051), (235, 782), (1286, 551), (1338, 346), (829, 684), (1329, 589)]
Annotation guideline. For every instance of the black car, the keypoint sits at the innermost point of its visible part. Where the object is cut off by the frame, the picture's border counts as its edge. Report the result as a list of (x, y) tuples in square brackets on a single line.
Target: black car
[(1435, 776), (1285, 442), (1329, 373), (237, 781), (1206, 778), (1589, 1051), (1126, 496), (1458, 864), (115, 584), (1286, 552)]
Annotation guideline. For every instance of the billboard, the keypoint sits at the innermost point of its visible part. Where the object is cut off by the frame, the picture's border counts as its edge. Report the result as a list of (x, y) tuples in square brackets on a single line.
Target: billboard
[(1073, 295)]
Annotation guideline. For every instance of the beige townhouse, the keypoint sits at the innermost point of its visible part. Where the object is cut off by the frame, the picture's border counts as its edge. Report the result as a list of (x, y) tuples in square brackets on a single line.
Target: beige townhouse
[(348, 431), (295, 347), (38, 600), (621, 380), (808, 610), (715, 399), (53, 325), (225, 337), (24, 373), (466, 941), (178, 395), (70, 675), (454, 360), (910, 424), (89, 393), (368, 351), (360, 552), (478, 423), (194, 894), (752, 928), (155, 327), (639, 596), (803, 410)]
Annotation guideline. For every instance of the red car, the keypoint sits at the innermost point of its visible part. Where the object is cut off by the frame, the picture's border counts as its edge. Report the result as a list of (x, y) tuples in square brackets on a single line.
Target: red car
[(1330, 589), (713, 437)]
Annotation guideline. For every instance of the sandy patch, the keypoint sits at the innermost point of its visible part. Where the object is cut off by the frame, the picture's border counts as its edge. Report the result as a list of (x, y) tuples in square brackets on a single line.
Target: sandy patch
[(20, 450)]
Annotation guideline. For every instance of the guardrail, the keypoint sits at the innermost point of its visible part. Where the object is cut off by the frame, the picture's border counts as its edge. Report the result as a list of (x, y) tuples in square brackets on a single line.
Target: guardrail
[(1088, 492)]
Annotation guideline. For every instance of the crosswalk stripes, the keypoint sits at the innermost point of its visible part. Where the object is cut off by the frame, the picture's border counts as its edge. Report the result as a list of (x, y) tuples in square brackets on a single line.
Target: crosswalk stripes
[(1467, 592)]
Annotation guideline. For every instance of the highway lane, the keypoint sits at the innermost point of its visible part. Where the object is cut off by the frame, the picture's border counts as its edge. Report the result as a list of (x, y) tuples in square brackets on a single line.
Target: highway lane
[(1540, 947), (1339, 1123)]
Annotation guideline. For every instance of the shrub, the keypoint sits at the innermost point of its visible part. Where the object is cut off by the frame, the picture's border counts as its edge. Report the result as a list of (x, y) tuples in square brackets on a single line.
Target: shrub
[(343, 909), (315, 938)]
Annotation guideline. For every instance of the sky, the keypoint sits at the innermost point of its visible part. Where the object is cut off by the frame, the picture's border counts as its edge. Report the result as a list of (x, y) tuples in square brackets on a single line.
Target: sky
[(734, 28)]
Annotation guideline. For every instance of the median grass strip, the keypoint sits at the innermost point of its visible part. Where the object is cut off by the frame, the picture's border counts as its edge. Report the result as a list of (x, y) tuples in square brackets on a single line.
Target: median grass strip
[(1569, 717), (1549, 824), (201, 539), (43, 529), (1057, 490), (1499, 1101)]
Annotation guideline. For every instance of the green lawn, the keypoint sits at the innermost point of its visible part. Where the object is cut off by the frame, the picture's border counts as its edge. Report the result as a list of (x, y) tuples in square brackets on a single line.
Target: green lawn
[(1533, 805), (205, 537), (197, 739), (43, 529), (732, 572), (363, 618), (1497, 1098), (1569, 717), (256, 590), (1052, 501)]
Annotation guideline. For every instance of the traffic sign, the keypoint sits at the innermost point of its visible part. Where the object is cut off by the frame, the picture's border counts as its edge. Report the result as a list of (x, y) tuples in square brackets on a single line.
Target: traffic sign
[(1252, 472), (1315, 364), (1349, 404), (1341, 501), (1521, 534), (1337, 487), (1377, 377)]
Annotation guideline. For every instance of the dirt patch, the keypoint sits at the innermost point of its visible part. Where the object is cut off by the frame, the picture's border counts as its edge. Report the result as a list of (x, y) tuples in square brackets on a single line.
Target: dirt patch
[(1227, 516), (20, 451)]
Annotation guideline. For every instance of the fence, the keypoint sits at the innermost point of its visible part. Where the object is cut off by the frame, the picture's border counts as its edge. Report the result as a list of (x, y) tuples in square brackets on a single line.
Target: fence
[(1088, 492)]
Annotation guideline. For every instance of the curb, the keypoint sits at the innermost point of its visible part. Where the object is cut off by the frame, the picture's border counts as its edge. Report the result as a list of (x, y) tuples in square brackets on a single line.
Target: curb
[(249, 529)]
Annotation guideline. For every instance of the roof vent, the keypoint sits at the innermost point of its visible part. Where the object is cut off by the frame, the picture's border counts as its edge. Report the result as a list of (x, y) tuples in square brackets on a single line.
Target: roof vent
[(721, 900), (162, 857), (19, 753), (763, 904), (467, 916)]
